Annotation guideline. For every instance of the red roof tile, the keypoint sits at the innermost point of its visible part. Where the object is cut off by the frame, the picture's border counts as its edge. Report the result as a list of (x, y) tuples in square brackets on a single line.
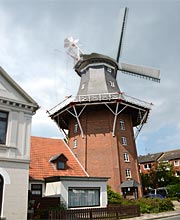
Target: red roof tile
[(42, 149)]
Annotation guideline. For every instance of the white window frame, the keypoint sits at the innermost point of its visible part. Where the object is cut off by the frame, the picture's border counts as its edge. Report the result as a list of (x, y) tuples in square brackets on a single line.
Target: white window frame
[(109, 69), (75, 128), (112, 84), (148, 166), (177, 173), (75, 143), (126, 157), (124, 141), (83, 197), (122, 124), (83, 86), (128, 173), (176, 163), (3, 127)]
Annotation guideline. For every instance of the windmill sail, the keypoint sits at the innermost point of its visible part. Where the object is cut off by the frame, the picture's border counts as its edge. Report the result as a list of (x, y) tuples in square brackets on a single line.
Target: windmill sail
[(122, 34), (143, 72)]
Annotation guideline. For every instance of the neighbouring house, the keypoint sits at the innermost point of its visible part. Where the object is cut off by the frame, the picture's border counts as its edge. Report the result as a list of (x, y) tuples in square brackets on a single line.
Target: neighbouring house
[(172, 157), (16, 111), (146, 162), (56, 172)]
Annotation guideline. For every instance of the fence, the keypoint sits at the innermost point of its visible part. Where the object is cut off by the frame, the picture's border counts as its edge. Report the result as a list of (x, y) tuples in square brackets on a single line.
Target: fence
[(109, 213)]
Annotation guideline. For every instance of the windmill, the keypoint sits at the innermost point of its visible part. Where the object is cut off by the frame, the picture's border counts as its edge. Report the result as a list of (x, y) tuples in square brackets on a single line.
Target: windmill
[(143, 72), (100, 119)]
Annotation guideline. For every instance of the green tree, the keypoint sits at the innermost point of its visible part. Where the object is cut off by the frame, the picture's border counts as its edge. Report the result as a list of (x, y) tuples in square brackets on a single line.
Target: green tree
[(160, 175)]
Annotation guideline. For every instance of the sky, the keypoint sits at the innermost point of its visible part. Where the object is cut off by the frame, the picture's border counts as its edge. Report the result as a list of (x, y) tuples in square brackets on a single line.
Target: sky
[(32, 34)]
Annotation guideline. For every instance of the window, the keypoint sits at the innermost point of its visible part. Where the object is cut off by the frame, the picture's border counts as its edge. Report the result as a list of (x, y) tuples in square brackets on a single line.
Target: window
[(3, 126), (83, 86), (83, 197), (75, 128), (36, 190), (124, 141), (177, 174), (60, 161), (1, 191), (61, 165), (112, 84), (75, 143), (128, 173), (109, 69), (176, 163), (147, 166), (122, 124), (126, 157)]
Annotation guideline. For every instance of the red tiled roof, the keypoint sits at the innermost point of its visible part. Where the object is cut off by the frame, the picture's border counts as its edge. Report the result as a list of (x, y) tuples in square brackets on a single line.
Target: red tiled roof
[(42, 149)]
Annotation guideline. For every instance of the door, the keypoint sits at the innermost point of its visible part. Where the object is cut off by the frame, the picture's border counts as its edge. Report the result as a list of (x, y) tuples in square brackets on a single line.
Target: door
[(1, 192)]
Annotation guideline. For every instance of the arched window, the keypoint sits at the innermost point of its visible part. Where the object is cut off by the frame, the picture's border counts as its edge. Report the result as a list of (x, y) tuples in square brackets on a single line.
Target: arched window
[(75, 127), (1, 192), (122, 124)]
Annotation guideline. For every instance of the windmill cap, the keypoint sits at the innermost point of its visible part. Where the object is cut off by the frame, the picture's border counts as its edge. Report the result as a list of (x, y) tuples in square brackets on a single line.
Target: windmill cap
[(86, 59)]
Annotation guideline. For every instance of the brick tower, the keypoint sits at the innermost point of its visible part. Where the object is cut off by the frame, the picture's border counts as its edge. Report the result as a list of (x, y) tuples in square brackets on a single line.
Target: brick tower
[(100, 120)]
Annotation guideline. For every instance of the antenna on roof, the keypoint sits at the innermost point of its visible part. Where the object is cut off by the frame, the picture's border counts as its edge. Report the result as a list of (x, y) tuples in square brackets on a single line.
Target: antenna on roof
[(73, 49)]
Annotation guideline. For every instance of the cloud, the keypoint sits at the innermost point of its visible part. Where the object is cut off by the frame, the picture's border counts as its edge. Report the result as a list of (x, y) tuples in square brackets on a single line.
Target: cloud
[(31, 41)]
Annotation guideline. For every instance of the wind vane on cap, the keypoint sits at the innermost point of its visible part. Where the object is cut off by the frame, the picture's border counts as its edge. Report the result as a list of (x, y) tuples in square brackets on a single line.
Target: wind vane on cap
[(73, 49)]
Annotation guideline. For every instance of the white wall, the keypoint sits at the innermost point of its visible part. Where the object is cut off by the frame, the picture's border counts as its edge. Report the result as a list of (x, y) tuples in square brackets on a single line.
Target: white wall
[(15, 176), (18, 134), (65, 184), (53, 188)]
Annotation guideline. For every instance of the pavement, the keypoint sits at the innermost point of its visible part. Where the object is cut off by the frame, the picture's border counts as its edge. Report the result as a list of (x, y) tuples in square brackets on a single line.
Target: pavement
[(161, 215)]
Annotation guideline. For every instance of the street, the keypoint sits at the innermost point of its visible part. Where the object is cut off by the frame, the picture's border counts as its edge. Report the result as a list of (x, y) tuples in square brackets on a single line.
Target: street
[(172, 218)]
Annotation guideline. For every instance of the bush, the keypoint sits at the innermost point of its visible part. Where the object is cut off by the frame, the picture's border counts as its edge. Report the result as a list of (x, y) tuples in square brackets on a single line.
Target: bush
[(166, 205), (148, 205), (113, 197), (173, 189)]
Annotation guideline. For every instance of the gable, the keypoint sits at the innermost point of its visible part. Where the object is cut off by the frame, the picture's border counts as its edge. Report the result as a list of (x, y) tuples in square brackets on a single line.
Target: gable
[(10, 90)]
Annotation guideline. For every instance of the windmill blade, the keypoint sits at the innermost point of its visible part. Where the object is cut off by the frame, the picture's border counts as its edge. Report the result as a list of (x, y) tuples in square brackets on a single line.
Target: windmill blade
[(143, 72), (122, 34)]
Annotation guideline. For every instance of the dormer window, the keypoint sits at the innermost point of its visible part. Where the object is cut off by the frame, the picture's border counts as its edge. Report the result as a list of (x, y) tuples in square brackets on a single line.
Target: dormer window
[(3, 126), (60, 161), (61, 165)]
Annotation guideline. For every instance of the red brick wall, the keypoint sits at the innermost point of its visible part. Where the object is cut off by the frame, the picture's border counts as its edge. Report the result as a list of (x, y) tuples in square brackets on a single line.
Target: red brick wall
[(99, 152), (143, 170)]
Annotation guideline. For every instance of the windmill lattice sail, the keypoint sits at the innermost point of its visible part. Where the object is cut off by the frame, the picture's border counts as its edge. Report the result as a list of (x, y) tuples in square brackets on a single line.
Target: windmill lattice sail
[(140, 71)]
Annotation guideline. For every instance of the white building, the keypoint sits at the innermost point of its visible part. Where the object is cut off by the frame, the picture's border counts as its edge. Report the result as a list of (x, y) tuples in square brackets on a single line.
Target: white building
[(16, 111)]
